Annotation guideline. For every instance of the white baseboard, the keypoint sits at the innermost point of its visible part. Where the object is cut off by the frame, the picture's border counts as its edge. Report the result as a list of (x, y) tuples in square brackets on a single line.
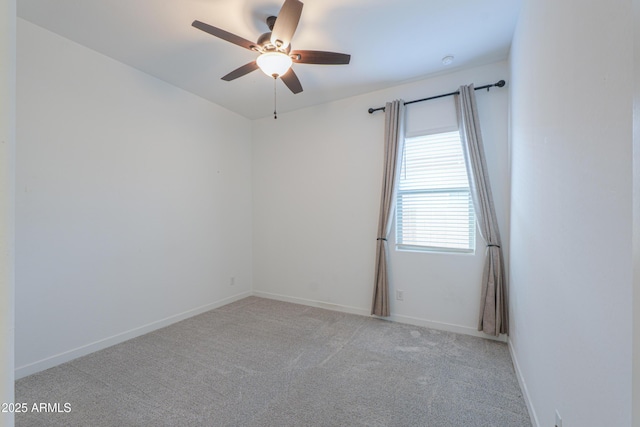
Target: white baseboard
[(312, 303), (50, 362), (394, 318), (523, 387), (448, 327)]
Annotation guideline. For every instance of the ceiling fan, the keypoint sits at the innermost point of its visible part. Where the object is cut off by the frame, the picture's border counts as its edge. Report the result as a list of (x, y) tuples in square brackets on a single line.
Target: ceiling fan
[(274, 47)]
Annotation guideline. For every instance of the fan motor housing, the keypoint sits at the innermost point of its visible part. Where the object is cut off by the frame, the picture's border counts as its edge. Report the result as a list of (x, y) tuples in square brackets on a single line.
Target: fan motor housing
[(264, 41)]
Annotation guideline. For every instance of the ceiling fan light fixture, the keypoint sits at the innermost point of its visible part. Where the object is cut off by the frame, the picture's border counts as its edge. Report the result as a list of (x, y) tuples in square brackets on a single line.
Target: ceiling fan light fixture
[(274, 64)]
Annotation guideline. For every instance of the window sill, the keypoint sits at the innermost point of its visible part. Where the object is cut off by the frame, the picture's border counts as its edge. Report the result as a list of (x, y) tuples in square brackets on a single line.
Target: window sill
[(437, 251)]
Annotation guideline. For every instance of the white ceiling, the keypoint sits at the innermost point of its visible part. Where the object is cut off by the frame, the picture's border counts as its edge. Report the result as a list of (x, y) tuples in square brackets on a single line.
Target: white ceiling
[(390, 42)]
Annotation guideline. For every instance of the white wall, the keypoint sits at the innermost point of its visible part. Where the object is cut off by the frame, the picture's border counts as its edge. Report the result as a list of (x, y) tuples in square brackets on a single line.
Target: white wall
[(317, 176), (133, 202), (571, 226), (7, 174)]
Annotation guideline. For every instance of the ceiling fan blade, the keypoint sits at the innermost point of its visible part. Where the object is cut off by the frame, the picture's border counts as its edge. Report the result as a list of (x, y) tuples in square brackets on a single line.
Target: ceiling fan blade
[(224, 35), (319, 57), (286, 23), (239, 72), (291, 80)]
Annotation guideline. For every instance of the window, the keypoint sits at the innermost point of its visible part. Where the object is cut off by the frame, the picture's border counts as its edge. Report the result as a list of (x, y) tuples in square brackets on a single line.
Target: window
[(434, 210)]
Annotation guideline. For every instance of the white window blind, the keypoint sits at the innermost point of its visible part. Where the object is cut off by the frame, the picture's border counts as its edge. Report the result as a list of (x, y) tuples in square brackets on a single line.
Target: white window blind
[(434, 209)]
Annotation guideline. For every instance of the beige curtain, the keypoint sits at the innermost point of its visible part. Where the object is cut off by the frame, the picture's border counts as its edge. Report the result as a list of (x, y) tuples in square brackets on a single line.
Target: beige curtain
[(493, 304), (393, 142)]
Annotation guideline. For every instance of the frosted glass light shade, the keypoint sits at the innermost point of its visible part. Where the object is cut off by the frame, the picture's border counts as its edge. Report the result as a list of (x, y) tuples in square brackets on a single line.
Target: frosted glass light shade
[(274, 64)]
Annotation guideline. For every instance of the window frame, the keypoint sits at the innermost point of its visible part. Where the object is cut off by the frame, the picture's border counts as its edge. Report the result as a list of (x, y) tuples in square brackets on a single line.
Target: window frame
[(403, 247)]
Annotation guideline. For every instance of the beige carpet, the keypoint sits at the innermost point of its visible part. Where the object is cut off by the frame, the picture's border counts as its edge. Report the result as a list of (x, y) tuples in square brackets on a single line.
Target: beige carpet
[(259, 362)]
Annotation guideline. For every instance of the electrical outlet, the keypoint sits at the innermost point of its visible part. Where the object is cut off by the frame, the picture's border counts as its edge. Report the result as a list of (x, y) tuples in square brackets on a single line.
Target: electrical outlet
[(558, 419), (399, 295), (232, 282)]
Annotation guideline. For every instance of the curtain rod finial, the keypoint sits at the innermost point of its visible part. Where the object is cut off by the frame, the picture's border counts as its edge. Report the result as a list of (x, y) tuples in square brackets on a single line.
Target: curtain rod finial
[(501, 83)]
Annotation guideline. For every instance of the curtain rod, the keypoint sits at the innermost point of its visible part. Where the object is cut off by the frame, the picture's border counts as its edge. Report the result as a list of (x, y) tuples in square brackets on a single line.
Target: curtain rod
[(501, 83)]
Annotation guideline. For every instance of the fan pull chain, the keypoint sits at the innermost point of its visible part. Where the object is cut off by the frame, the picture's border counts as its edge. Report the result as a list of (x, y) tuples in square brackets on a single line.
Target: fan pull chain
[(275, 99)]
